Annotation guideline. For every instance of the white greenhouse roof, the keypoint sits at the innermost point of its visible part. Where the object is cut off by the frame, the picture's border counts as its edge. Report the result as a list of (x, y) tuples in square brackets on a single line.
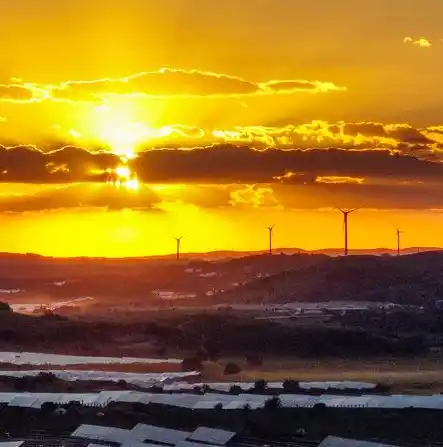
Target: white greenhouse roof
[(332, 441), (33, 358), (211, 435), (209, 400), (144, 380), (12, 444), (192, 444), (154, 434), (99, 433)]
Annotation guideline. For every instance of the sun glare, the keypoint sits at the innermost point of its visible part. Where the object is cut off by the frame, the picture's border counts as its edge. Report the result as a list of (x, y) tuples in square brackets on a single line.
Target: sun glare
[(123, 171), (124, 178)]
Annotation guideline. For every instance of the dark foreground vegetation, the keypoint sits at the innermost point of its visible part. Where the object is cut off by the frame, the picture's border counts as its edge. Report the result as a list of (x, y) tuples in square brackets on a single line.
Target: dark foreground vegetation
[(409, 427), (212, 336)]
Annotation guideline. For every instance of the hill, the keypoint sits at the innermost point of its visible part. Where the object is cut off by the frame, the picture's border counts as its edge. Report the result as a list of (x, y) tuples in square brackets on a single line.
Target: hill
[(412, 279)]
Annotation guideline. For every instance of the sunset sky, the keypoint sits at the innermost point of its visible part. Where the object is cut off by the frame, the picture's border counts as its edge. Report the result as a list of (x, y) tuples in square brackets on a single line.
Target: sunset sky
[(124, 124)]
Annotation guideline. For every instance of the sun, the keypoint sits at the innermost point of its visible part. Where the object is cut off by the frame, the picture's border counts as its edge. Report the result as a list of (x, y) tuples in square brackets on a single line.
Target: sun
[(123, 177), (123, 172), (115, 125)]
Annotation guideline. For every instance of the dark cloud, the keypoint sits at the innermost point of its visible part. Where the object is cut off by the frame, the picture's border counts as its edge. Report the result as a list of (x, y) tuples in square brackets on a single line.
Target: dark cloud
[(225, 164), (27, 164), (177, 82), (15, 93), (80, 196), (370, 195), (220, 164), (309, 195)]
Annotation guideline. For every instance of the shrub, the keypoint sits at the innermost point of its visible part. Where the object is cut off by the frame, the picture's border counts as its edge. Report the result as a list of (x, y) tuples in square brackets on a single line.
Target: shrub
[(235, 390), (5, 307), (291, 385), (260, 386), (273, 403), (192, 364), (231, 368), (46, 377)]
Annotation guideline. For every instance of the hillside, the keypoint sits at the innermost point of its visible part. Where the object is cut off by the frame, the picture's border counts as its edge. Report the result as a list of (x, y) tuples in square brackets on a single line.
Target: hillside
[(22, 278), (411, 279)]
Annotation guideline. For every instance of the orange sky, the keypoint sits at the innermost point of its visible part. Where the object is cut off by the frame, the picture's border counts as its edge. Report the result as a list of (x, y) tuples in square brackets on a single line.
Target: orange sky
[(124, 125)]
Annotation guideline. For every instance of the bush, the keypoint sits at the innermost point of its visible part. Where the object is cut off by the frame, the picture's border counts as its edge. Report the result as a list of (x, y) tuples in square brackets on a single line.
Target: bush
[(46, 377), (5, 307), (231, 368), (156, 389), (273, 403), (192, 364), (260, 386), (291, 385), (48, 407), (235, 390)]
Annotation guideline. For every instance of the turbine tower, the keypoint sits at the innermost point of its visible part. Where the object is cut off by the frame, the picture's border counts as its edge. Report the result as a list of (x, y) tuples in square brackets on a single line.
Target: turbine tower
[(345, 223), (270, 229), (398, 241), (178, 240)]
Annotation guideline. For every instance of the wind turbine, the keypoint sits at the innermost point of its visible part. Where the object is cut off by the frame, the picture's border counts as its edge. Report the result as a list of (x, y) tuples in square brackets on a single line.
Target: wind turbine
[(270, 229), (398, 241), (345, 222), (178, 240)]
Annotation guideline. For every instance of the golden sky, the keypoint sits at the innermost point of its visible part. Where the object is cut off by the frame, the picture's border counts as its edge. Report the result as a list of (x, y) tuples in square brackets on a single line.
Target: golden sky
[(123, 124)]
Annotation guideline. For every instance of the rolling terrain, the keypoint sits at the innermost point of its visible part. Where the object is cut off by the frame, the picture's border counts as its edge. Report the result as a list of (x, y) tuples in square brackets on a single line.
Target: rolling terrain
[(414, 279)]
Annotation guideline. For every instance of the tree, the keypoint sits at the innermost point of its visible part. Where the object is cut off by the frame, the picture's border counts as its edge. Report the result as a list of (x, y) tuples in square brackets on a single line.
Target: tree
[(48, 407), (231, 368), (156, 389), (235, 390), (46, 377), (260, 386), (273, 404), (206, 389), (5, 307), (192, 364), (291, 385)]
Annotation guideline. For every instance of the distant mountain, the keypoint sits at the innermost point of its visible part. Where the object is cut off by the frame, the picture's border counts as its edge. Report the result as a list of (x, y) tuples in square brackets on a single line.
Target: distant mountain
[(409, 279), (213, 255)]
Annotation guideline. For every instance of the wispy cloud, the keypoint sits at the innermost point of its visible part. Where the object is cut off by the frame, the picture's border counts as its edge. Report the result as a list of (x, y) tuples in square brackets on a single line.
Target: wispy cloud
[(338, 179), (421, 42)]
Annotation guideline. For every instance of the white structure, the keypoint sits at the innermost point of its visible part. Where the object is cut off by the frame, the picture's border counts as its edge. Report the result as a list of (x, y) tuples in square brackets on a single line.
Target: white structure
[(211, 436), (154, 436), (228, 401), (332, 441), (150, 433), (32, 358), (103, 434), (143, 380)]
